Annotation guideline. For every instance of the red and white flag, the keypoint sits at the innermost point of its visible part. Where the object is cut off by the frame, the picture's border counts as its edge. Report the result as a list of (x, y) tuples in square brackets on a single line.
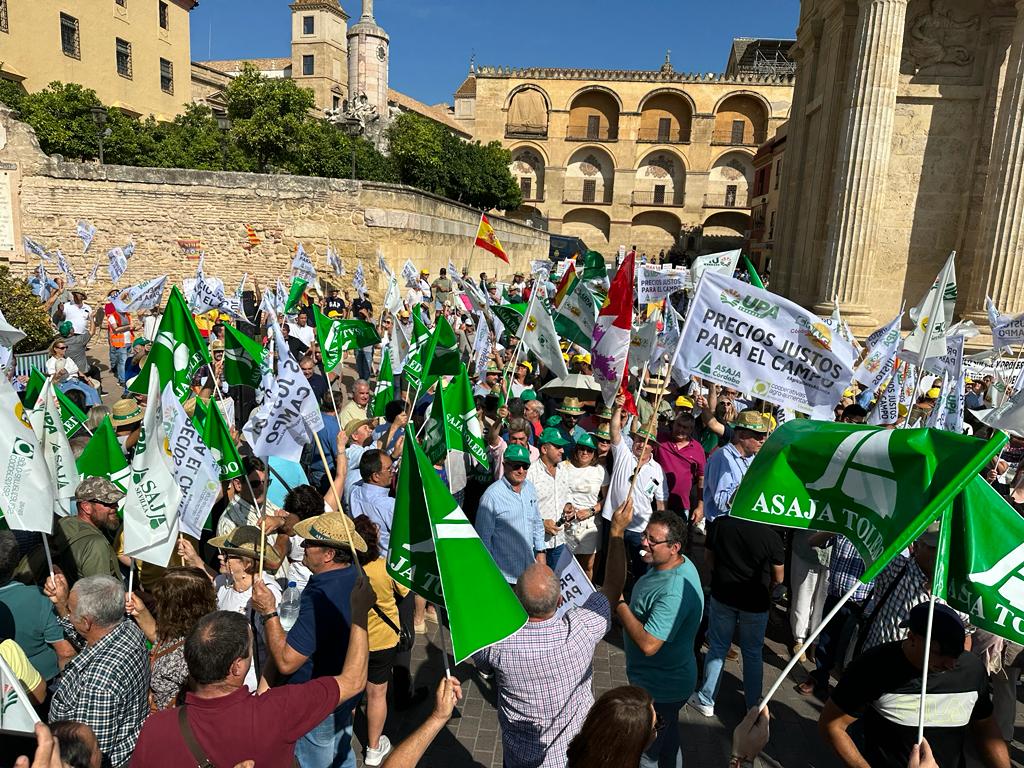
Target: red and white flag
[(611, 332)]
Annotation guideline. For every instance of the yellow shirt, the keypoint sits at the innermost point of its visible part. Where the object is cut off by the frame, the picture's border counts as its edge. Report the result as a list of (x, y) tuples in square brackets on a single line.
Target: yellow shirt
[(21, 666), (382, 636)]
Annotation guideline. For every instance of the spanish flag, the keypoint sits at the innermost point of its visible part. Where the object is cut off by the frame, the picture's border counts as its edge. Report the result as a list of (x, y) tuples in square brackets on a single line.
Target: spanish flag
[(566, 285), (487, 239)]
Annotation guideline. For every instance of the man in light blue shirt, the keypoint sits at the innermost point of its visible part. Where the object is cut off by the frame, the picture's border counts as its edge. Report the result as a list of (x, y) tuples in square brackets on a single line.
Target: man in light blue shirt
[(726, 467), (508, 519), (370, 495)]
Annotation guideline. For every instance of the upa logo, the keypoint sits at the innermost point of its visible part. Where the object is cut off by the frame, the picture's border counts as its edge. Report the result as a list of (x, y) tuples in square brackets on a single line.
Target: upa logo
[(861, 468)]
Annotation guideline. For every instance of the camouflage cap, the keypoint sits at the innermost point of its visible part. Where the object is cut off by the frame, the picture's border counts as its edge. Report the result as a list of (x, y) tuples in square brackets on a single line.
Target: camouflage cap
[(98, 489)]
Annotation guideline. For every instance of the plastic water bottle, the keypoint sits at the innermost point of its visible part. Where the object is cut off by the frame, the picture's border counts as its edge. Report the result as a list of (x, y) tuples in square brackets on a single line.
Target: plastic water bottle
[(288, 608)]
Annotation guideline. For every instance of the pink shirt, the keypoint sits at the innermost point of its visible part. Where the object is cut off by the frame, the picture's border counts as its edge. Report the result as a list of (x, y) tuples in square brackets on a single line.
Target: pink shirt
[(682, 466)]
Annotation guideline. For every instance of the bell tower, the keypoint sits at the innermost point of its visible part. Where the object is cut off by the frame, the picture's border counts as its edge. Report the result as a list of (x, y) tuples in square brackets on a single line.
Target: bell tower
[(319, 50), (368, 59)]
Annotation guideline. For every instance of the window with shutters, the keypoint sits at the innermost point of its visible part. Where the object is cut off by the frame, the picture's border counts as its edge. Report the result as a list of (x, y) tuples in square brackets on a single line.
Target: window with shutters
[(730, 196), (665, 129), (738, 129), (526, 186), (589, 191), (69, 41), (3, 16), (659, 194), (593, 127), (164, 21), (166, 76), (123, 52)]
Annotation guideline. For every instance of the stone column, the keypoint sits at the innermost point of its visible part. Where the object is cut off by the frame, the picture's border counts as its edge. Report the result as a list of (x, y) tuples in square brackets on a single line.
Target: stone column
[(865, 144), (999, 261)]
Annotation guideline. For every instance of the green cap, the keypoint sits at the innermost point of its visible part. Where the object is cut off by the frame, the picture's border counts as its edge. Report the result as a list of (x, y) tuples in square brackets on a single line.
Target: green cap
[(586, 441), (553, 437), (65, 329), (553, 421), (516, 453), (528, 394)]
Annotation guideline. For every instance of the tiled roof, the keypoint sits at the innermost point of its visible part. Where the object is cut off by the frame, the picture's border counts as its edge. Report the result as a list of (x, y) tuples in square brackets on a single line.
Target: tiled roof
[(235, 65), (440, 113), (468, 88)]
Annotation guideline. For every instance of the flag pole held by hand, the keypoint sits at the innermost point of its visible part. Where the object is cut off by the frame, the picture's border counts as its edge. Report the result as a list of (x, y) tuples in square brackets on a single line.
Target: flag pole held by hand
[(349, 529)]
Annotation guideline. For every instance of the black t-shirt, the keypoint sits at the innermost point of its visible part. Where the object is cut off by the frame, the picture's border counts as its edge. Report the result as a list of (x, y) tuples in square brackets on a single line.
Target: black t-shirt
[(335, 305), (362, 304), (744, 554), (884, 689)]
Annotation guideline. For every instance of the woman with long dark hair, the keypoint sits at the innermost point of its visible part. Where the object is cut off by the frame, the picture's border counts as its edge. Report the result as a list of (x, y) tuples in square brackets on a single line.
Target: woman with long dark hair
[(618, 728)]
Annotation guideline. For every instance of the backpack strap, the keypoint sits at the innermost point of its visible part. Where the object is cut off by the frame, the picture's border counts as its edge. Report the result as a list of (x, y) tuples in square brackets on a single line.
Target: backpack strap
[(202, 761)]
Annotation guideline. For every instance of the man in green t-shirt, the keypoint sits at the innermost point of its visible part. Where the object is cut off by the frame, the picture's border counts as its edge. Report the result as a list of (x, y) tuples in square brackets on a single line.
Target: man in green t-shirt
[(659, 628)]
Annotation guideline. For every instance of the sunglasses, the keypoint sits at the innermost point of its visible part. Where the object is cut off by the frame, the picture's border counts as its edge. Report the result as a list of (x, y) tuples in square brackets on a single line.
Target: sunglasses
[(516, 466), (60, 347)]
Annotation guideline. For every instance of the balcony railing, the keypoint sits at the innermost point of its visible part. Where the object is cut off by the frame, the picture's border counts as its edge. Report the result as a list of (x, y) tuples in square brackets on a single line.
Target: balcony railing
[(523, 132), (533, 198), (747, 138), (657, 136), (653, 197), (588, 133), (726, 200), (587, 197)]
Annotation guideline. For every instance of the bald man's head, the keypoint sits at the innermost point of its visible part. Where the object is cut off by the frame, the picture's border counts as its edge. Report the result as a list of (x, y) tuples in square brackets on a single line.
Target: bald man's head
[(538, 589)]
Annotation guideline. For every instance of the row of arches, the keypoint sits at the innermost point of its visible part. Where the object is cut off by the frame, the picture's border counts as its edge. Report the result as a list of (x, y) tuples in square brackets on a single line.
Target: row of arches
[(666, 116), (660, 177), (659, 228)]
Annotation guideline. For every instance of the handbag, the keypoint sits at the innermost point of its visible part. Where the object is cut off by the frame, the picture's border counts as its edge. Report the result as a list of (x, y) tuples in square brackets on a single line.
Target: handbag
[(406, 639)]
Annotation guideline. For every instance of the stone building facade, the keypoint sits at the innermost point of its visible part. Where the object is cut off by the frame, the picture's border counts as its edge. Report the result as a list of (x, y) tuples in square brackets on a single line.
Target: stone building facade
[(906, 142), (631, 157), (765, 195), (135, 55), (162, 209)]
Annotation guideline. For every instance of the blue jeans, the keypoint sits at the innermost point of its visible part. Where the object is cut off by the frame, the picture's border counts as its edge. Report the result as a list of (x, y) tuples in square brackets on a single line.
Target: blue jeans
[(364, 363), (722, 623), (92, 397), (118, 358), (329, 745), (665, 751), (552, 555)]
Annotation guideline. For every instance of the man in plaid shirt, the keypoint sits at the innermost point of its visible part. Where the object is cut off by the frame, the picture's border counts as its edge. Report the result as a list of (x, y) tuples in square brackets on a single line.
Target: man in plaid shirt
[(544, 671), (105, 686)]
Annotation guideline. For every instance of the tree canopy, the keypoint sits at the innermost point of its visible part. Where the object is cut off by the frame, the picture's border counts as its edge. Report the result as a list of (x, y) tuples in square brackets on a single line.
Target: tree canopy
[(273, 129)]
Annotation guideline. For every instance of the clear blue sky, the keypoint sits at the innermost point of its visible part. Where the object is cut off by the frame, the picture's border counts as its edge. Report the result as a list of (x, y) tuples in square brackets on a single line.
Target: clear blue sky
[(432, 40)]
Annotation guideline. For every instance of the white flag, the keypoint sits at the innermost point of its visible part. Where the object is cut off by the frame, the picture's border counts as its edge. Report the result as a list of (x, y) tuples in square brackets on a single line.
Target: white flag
[(9, 335), (877, 365), (359, 280), (482, 346), (334, 262), (932, 316), (53, 442), (1009, 416), (723, 263), (1007, 330), (666, 342), (539, 336), (409, 273), (654, 284), (887, 408), (63, 266), (24, 479), (86, 232), (117, 263), (153, 497), (302, 265), (641, 344), (17, 715), (195, 467), (141, 296)]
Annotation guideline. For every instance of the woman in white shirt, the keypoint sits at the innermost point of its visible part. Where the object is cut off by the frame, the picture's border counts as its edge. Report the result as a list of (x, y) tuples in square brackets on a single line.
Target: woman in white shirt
[(58, 364), (583, 483)]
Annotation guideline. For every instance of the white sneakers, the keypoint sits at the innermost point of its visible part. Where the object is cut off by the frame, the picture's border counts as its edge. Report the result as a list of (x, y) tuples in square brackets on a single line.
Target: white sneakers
[(375, 757), (694, 701)]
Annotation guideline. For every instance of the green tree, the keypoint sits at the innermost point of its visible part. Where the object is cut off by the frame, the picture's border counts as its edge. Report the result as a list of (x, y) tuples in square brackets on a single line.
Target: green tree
[(11, 93), (417, 151), (195, 140), (61, 117), (23, 310), (268, 115)]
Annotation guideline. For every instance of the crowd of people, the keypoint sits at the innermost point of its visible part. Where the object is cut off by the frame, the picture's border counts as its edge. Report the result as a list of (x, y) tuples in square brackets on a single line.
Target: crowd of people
[(261, 640)]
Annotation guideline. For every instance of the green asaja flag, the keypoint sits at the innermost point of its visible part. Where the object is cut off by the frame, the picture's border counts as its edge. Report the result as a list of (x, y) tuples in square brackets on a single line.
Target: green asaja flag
[(878, 487), (335, 336), (178, 352), (436, 553), (461, 415), (594, 267), (216, 436), (985, 569), (243, 359), (412, 366), (71, 415), (439, 435), (384, 392), (103, 457), (510, 315), (439, 356), (295, 291)]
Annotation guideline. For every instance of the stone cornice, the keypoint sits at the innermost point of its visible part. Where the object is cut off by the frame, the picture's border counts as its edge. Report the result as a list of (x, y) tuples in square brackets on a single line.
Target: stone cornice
[(628, 75)]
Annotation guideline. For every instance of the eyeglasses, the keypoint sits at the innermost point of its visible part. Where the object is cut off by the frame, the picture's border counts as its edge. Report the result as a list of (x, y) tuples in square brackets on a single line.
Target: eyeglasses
[(653, 542), (517, 467), (106, 504), (61, 347)]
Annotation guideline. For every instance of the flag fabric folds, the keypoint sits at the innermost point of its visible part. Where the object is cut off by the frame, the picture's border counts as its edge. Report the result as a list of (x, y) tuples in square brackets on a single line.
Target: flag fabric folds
[(539, 336), (384, 391), (71, 415), (878, 487), (178, 352), (436, 553), (17, 715), (53, 442), (214, 432), (244, 359), (335, 336), (195, 469), (25, 478), (103, 456), (575, 310), (932, 317), (487, 238), (755, 279), (880, 360), (612, 330), (295, 292)]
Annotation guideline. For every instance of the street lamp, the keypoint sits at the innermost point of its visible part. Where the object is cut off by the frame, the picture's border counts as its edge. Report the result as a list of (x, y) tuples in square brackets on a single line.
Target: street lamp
[(354, 128), (224, 123), (99, 116)]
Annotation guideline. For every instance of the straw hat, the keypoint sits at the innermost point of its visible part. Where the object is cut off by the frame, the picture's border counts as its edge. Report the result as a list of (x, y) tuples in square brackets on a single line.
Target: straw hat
[(751, 421), (648, 430), (571, 406), (125, 413), (602, 433), (244, 541), (656, 386), (331, 529), (604, 413)]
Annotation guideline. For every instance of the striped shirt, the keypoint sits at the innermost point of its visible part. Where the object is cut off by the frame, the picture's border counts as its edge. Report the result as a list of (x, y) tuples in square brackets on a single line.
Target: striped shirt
[(510, 527), (845, 567)]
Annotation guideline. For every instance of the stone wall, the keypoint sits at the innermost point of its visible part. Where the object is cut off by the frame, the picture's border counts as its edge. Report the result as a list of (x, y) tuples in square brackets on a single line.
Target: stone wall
[(157, 207)]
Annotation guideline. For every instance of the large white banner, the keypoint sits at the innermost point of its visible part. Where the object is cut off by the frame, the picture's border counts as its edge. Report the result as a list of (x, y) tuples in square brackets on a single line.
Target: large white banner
[(141, 296), (764, 345), (723, 263), (654, 285), (576, 587), (878, 363)]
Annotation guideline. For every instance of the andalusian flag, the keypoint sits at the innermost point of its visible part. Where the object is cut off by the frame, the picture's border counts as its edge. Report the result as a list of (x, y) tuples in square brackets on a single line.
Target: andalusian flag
[(295, 293), (384, 392), (487, 238), (244, 359), (335, 336), (215, 433), (103, 457), (880, 488), (179, 351), (71, 415), (566, 285), (436, 553)]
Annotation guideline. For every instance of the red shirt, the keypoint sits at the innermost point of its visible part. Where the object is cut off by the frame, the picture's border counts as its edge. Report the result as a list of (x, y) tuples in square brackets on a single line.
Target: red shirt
[(238, 726), (682, 467)]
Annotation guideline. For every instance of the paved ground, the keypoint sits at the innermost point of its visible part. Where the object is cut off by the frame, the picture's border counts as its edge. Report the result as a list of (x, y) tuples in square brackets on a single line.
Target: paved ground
[(472, 737)]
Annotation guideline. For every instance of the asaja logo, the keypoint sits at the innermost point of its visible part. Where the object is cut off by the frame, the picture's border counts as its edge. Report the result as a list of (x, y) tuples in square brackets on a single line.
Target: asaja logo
[(1007, 576), (704, 366), (861, 468), (531, 324), (24, 448)]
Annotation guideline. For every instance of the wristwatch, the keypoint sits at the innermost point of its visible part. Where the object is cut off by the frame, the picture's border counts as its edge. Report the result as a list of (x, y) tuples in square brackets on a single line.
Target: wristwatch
[(269, 616)]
